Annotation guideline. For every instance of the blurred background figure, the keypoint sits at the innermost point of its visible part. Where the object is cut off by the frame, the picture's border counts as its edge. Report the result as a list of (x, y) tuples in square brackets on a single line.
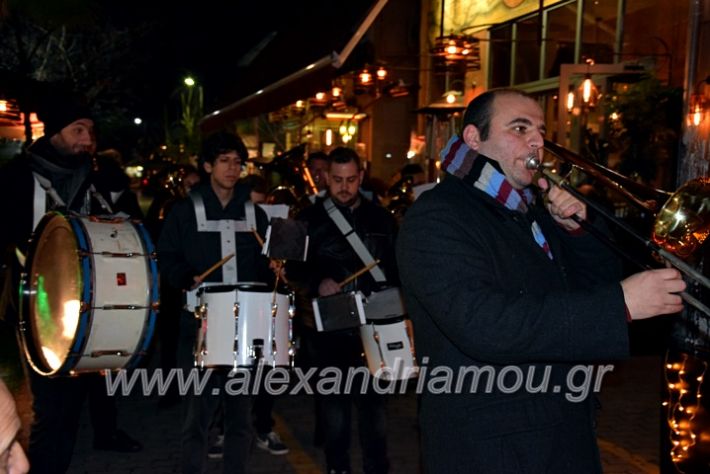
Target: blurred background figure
[(173, 184), (400, 195), (317, 163)]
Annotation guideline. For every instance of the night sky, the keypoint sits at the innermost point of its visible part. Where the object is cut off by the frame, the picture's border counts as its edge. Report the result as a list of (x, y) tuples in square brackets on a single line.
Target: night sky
[(132, 55), (209, 38)]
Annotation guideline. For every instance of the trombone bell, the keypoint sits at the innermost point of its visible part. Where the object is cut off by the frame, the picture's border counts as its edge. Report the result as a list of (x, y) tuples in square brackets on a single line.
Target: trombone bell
[(683, 223)]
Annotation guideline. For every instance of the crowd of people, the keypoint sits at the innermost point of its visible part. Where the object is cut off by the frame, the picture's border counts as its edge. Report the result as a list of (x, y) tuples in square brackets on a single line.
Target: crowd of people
[(494, 270)]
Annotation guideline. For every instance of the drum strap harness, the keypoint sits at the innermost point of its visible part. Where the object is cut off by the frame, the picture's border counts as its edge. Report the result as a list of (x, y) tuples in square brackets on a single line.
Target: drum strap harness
[(353, 239), (43, 187), (226, 228)]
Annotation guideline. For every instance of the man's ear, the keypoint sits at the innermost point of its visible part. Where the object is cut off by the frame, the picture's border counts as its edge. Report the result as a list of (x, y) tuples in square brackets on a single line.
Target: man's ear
[(472, 137), (207, 167)]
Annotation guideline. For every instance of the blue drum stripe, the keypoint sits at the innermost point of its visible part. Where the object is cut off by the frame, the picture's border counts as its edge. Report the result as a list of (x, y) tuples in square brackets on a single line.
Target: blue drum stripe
[(86, 273), (154, 295)]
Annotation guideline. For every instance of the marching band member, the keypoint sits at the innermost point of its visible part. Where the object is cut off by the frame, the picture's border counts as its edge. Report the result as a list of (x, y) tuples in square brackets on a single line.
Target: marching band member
[(331, 259), (57, 172), (494, 280), (217, 219)]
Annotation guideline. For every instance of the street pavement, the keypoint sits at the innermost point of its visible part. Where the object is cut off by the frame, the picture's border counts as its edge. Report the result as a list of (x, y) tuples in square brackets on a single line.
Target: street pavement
[(628, 431), (628, 428)]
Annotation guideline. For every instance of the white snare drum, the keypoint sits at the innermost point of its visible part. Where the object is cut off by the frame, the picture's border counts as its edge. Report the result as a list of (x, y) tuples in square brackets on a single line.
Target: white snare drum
[(240, 327), (89, 295), (389, 348)]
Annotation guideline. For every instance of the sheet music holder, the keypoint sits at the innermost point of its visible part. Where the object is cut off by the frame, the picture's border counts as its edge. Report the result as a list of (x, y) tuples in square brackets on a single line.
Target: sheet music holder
[(286, 239)]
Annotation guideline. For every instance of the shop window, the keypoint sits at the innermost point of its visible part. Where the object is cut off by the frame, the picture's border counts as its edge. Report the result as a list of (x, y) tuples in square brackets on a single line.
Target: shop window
[(501, 42), (527, 64), (560, 35), (599, 31)]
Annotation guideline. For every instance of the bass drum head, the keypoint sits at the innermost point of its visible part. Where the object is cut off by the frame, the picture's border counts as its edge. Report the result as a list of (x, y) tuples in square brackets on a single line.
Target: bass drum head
[(55, 286)]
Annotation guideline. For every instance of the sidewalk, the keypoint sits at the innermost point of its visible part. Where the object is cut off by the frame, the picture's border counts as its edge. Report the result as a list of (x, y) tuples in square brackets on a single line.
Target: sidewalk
[(628, 432)]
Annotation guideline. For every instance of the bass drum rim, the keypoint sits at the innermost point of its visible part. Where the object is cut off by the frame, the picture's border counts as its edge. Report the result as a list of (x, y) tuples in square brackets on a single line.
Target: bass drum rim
[(28, 330)]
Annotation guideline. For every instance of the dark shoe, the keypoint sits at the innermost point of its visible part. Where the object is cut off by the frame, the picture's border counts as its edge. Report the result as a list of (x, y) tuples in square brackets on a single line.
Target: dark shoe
[(216, 451), (119, 441), (272, 443)]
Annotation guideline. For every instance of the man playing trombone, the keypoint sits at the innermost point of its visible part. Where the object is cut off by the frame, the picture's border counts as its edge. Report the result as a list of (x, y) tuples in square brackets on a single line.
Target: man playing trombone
[(510, 291)]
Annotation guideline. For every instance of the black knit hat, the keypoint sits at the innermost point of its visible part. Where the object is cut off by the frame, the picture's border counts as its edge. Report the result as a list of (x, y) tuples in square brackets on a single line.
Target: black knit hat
[(61, 110)]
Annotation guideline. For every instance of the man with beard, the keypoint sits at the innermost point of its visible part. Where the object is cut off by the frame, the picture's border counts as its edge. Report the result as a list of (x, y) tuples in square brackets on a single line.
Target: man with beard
[(57, 172), (332, 259)]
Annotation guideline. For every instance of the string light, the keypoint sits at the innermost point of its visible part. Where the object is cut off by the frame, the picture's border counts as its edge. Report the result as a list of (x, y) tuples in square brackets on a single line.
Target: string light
[(682, 405)]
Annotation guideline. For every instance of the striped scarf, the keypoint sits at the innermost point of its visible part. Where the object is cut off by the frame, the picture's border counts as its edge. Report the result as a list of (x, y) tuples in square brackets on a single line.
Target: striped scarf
[(485, 174)]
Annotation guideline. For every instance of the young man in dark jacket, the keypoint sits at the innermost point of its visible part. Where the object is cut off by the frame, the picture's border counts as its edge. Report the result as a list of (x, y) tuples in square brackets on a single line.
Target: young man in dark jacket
[(332, 259), (217, 219)]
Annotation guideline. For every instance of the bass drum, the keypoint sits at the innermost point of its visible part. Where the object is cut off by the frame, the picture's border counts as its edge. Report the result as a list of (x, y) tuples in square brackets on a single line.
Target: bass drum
[(89, 295)]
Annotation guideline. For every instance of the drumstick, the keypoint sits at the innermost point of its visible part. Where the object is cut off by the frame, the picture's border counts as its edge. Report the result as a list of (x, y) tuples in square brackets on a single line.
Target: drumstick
[(364, 269), (214, 267), (258, 237)]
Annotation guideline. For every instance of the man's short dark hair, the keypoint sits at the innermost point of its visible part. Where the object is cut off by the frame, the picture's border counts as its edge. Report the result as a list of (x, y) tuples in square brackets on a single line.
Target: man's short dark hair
[(255, 183), (411, 169), (480, 110), (316, 155), (342, 155), (222, 142)]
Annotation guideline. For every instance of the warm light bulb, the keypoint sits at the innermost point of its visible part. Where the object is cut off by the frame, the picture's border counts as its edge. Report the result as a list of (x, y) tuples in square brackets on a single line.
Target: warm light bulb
[(450, 98), (587, 90), (320, 95), (300, 104), (3, 106), (365, 77), (328, 137), (337, 91), (381, 73), (570, 101), (697, 115)]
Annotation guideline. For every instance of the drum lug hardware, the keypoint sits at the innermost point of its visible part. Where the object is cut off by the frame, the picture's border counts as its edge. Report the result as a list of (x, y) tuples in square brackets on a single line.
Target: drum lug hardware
[(235, 351), (376, 336), (113, 352), (121, 306)]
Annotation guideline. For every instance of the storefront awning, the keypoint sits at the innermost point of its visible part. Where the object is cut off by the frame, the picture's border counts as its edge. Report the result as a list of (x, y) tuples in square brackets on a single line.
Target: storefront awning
[(305, 82)]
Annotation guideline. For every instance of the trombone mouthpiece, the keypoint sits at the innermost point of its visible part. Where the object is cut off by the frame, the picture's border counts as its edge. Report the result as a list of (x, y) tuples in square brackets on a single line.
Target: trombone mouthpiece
[(532, 162)]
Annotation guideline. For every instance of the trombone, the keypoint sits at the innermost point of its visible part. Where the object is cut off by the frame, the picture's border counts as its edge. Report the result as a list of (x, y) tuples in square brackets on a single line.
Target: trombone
[(682, 218)]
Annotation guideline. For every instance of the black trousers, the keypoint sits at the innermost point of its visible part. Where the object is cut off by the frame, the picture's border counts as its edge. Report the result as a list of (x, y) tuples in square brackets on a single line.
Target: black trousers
[(343, 350), (57, 404)]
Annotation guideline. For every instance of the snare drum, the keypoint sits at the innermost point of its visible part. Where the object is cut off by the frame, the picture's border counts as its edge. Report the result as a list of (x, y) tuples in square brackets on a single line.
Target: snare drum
[(389, 348), (242, 325), (89, 295)]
